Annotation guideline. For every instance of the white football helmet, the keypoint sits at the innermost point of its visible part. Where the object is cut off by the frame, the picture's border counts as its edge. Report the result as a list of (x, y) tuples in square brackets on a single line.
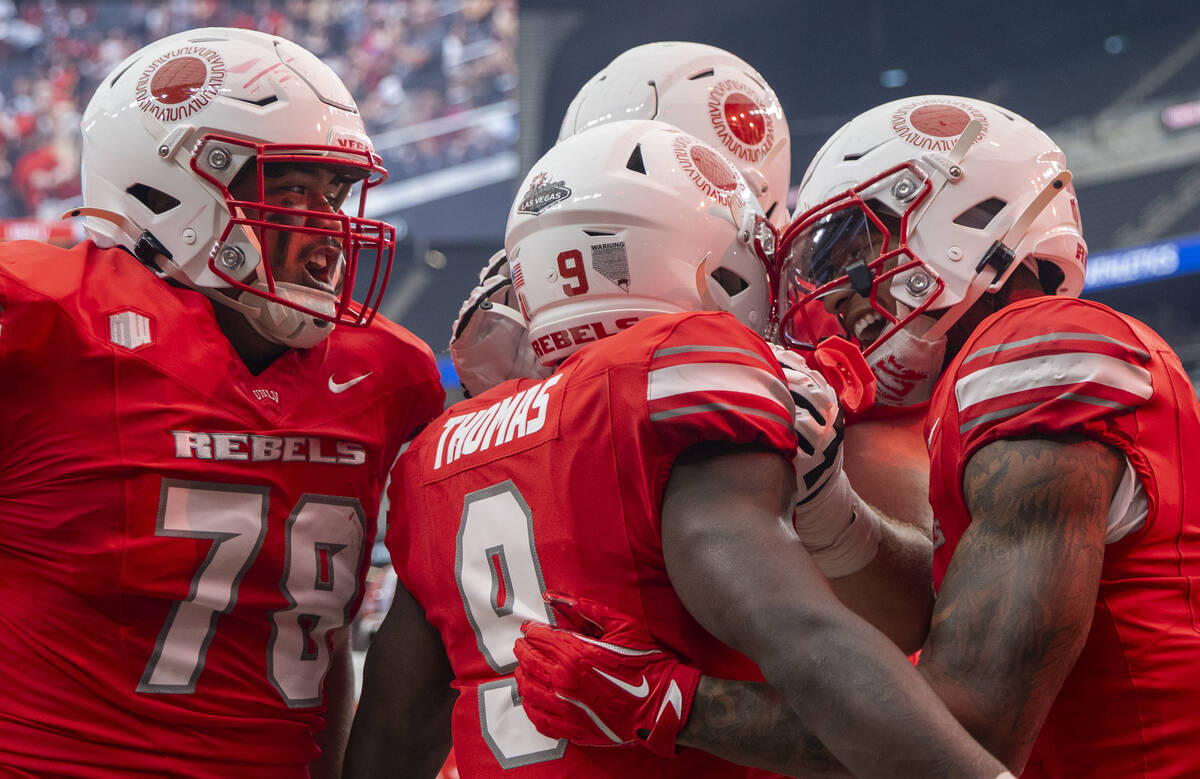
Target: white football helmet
[(171, 127), (705, 91), (631, 219), (929, 202)]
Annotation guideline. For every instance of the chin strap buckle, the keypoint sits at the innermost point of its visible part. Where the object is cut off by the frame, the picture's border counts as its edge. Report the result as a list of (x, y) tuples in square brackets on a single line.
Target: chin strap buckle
[(148, 248), (999, 257)]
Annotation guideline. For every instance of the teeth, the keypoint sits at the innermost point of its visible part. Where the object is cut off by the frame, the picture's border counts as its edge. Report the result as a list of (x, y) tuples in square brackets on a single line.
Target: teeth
[(866, 321)]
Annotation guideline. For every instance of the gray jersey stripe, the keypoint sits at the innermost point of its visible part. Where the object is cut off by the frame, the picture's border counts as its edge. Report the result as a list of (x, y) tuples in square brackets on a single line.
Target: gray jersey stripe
[(1056, 337), (685, 349), (1014, 410), (703, 407)]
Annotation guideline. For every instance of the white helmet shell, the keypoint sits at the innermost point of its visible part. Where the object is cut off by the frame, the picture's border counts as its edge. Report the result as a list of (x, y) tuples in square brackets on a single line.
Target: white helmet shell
[(628, 220), (705, 91), (900, 160), (169, 129)]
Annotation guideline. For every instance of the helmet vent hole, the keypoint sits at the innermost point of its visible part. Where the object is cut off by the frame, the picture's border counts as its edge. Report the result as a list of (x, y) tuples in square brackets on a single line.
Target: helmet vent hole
[(771, 211), (117, 76), (980, 215), (635, 162), (729, 281), (702, 74), (266, 101), (597, 233), (156, 200), (853, 156)]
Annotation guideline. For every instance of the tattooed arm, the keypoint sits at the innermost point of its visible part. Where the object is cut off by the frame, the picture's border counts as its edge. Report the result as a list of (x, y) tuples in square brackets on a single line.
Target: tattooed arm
[(745, 577), (1016, 605), (751, 724)]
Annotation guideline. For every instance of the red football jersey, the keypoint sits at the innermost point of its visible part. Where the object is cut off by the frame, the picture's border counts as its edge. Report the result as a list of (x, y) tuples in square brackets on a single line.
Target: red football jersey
[(1053, 366), (179, 536), (558, 484)]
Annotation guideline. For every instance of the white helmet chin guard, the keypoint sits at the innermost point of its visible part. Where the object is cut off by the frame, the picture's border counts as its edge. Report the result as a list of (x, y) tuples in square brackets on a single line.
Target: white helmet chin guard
[(171, 127), (628, 220), (920, 206), (704, 91)]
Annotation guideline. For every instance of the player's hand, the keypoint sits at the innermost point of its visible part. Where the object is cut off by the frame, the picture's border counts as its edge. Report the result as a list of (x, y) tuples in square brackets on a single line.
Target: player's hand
[(840, 533), (489, 343), (599, 679)]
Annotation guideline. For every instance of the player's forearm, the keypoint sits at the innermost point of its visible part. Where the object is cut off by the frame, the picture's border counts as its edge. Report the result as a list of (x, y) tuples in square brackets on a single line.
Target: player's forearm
[(339, 711), (396, 734), (402, 726), (868, 704), (751, 724), (1017, 601)]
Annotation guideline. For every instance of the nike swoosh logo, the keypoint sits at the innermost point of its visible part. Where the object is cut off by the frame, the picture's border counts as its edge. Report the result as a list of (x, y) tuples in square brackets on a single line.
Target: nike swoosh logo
[(641, 691), (674, 699), (338, 389)]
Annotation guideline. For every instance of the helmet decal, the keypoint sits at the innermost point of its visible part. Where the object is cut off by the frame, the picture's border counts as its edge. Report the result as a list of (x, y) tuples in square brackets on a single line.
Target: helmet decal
[(740, 120), (179, 83), (708, 170), (935, 124), (542, 194)]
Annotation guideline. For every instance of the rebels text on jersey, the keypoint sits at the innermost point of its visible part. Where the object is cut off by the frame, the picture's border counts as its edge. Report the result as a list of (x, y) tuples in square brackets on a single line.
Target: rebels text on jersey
[(1058, 366), (179, 535), (557, 484)]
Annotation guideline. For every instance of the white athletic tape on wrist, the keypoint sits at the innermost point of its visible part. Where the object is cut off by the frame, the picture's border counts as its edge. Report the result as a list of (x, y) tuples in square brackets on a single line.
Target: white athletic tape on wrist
[(840, 531), (1006, 775)]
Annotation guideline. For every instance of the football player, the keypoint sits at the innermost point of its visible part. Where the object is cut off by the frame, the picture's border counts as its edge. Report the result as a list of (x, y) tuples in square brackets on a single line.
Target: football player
[(1064, 456), (653, 468), (703, 90), (198, 422)]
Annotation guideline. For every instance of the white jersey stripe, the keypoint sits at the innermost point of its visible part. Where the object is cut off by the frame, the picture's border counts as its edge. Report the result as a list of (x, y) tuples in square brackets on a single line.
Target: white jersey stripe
[(689, 349), (705, 408), (1051, 337), (691, 377), (1052, 370), (1012, 411), (1003, 413)]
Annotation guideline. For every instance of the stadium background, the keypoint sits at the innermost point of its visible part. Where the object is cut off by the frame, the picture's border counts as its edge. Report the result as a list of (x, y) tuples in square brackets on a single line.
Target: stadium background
[(461, 96), (1116, 83)]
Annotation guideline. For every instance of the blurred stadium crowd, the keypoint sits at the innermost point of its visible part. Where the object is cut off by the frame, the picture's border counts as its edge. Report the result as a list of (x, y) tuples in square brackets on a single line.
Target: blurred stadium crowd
[(411, 63)]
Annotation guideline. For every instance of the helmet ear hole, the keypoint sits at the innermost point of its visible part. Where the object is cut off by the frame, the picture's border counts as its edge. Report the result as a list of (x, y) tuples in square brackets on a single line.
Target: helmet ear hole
[(1050, 276), (729, 281), (156, 200)]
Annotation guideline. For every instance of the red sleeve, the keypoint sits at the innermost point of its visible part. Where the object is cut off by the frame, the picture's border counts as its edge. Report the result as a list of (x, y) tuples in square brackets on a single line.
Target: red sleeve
[(712, 379), (1050, 367)]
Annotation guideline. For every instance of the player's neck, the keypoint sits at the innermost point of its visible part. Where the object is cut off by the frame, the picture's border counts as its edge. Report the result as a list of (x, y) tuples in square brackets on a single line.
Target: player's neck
[(256, 352)]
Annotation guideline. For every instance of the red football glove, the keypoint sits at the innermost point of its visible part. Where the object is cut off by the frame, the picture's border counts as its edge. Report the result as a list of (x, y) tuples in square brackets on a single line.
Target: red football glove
[(599, 679)]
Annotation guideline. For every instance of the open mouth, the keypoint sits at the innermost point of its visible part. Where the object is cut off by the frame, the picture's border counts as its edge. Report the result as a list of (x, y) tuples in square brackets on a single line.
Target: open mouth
[(323, 267), (868, 327)]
